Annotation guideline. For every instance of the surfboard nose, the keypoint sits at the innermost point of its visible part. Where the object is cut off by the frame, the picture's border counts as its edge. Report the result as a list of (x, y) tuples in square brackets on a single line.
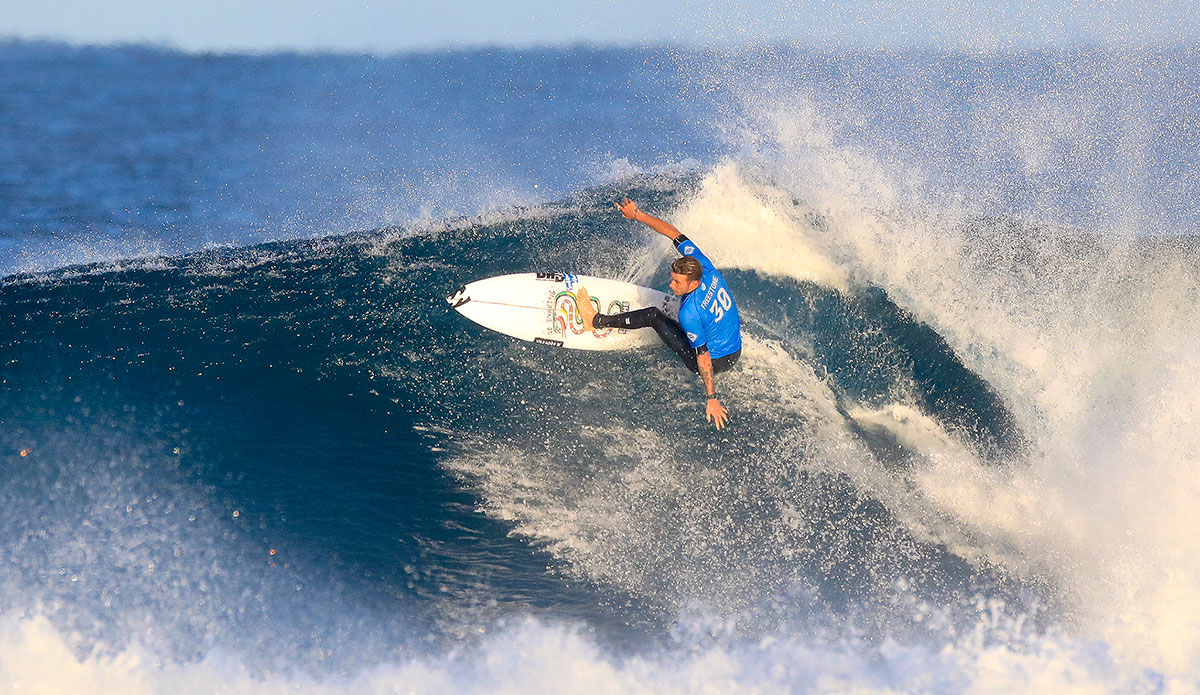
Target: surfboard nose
[(459, 297)]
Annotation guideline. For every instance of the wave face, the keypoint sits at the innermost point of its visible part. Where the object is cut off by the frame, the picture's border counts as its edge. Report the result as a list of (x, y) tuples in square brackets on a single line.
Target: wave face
[(963, 440)]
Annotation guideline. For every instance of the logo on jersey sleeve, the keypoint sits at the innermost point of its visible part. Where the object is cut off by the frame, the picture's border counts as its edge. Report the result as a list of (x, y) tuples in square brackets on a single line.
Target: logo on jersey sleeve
[(692, 337), (687, 249)]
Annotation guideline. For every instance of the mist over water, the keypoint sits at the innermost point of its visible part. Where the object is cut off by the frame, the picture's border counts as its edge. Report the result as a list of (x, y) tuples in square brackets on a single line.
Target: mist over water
[(963, 428)]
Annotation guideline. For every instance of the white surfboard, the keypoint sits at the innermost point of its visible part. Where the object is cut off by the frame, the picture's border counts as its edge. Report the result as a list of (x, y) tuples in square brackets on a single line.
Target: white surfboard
[(543, 308)]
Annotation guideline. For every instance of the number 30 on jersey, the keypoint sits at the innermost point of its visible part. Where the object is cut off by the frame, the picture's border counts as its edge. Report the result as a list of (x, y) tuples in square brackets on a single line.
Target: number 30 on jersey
[(721, 305)]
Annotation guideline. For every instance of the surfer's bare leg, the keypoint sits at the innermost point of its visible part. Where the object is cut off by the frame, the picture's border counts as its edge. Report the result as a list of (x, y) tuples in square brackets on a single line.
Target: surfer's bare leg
[(587, 312)]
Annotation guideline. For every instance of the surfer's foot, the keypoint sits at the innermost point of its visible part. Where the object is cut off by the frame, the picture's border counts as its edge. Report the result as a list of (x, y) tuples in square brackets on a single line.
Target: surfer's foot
[(587, 312)]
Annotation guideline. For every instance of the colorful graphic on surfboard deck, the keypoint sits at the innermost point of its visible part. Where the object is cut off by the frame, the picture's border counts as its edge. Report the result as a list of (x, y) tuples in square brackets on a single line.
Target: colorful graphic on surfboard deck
[(566, 315), (544, 308)]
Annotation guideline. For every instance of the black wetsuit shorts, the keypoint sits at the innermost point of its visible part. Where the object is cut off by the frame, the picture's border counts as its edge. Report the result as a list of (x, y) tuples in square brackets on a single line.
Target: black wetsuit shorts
[(671, 333)]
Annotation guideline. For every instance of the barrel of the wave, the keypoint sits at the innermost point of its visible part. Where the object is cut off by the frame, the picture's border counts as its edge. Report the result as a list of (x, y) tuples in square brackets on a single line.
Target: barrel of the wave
[(544, 308)]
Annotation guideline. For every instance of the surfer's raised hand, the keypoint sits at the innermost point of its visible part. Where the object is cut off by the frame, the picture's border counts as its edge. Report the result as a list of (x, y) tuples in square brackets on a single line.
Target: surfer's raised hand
[(628, 208), (631, 211), (716, 413)]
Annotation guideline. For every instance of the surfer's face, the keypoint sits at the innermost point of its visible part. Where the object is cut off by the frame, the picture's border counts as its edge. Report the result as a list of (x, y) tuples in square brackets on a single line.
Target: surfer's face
[(681, 285)]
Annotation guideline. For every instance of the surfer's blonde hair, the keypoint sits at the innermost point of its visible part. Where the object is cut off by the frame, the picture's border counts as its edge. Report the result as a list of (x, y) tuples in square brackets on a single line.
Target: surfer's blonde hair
[(688, 266)]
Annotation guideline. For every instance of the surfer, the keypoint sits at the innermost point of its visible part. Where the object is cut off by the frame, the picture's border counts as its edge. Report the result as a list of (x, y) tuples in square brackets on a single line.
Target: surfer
[(708, 335)]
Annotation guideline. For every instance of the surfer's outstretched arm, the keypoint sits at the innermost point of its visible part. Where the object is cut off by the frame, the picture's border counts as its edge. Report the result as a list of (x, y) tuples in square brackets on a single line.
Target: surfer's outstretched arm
[(631, 211), (714, 412)]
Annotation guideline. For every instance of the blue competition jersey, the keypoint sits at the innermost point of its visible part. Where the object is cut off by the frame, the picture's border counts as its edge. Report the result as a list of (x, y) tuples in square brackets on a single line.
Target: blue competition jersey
[(708, 313)]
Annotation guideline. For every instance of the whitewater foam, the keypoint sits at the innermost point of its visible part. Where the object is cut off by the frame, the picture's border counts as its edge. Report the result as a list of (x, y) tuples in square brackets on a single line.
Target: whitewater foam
[(735, 526), (755, 229), (998, 654), (1085, 337)]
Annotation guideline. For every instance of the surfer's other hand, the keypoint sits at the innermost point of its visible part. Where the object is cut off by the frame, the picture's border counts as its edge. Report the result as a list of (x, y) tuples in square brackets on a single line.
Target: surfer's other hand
[(628, 208), (715, 413)]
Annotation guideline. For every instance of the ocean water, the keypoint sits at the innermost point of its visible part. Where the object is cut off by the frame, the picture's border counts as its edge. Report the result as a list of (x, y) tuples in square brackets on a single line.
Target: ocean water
[(246, 446)]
